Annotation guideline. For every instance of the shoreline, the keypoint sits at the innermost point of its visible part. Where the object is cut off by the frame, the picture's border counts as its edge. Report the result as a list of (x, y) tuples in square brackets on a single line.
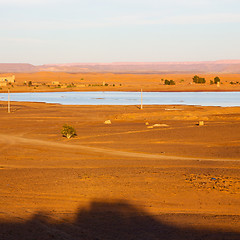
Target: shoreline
[(119, 90), (49, 91)]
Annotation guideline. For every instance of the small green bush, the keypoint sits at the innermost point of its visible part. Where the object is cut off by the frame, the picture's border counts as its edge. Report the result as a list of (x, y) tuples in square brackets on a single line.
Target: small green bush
[(234, 82), (171, 82), (68, 131), (167, 82), (216, 80), (197, 79)]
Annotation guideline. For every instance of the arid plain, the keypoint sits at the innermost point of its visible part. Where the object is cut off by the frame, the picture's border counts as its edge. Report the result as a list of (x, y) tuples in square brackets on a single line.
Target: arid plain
[(61, 81), (151, 174)]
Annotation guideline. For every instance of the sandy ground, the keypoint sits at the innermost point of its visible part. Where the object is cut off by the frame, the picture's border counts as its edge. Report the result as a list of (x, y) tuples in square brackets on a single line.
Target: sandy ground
[(126, 180), (119, 82)]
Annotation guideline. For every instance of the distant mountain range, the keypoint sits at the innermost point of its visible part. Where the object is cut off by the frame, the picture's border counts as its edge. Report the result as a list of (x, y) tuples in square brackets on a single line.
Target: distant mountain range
[(223, 66)]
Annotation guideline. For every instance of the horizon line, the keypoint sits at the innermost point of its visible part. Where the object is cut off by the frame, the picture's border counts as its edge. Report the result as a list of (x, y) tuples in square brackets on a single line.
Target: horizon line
[(221, 61)]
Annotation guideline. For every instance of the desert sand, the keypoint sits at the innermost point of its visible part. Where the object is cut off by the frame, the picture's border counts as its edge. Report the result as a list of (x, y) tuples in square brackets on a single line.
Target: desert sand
[(151, 174), (60, 81)]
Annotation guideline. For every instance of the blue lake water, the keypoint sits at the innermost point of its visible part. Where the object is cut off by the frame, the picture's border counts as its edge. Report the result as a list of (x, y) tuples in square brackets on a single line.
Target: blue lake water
[(224, 99)]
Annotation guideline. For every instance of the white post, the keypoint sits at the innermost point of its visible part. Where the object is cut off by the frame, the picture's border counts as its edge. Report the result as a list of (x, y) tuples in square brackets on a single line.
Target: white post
[(8, 101), (141, 100)]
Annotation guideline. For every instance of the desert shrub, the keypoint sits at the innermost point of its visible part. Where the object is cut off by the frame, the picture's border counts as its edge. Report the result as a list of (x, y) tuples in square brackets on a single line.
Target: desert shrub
[(234, 82), (30, 83), (106, 84), (68, 131), (167, 82), (171, 82), (216, 80), (197, 79), (211, 82)]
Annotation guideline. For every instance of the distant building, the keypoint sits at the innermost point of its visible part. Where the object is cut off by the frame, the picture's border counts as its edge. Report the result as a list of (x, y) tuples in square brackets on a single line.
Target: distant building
[(7, 79)]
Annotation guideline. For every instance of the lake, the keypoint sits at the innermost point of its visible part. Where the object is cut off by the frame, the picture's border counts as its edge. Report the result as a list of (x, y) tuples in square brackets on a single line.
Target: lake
[(224, 99)]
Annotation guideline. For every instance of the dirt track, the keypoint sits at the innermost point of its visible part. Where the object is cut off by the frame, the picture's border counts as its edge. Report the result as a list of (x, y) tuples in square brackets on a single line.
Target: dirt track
[(14, 140)]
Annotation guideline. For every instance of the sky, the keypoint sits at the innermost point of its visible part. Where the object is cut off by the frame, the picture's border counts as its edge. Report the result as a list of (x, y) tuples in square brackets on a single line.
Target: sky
[(75, 31)]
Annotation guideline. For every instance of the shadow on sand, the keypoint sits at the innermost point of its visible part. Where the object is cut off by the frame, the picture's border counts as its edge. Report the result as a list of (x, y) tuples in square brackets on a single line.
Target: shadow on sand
[(105, 220)]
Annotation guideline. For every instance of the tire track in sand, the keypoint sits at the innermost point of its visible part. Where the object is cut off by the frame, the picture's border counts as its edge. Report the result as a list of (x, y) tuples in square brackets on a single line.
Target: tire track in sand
[(10, 139)]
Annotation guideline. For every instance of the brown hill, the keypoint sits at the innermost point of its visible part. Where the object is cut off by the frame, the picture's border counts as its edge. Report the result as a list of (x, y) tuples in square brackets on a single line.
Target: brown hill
[(16, 67), (224, 66)]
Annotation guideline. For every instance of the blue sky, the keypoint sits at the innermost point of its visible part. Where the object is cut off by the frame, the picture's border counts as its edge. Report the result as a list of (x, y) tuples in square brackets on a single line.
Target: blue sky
[(65, 31)]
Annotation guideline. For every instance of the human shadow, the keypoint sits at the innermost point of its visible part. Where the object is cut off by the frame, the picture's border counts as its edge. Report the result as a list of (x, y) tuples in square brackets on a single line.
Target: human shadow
[(105, 220)]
